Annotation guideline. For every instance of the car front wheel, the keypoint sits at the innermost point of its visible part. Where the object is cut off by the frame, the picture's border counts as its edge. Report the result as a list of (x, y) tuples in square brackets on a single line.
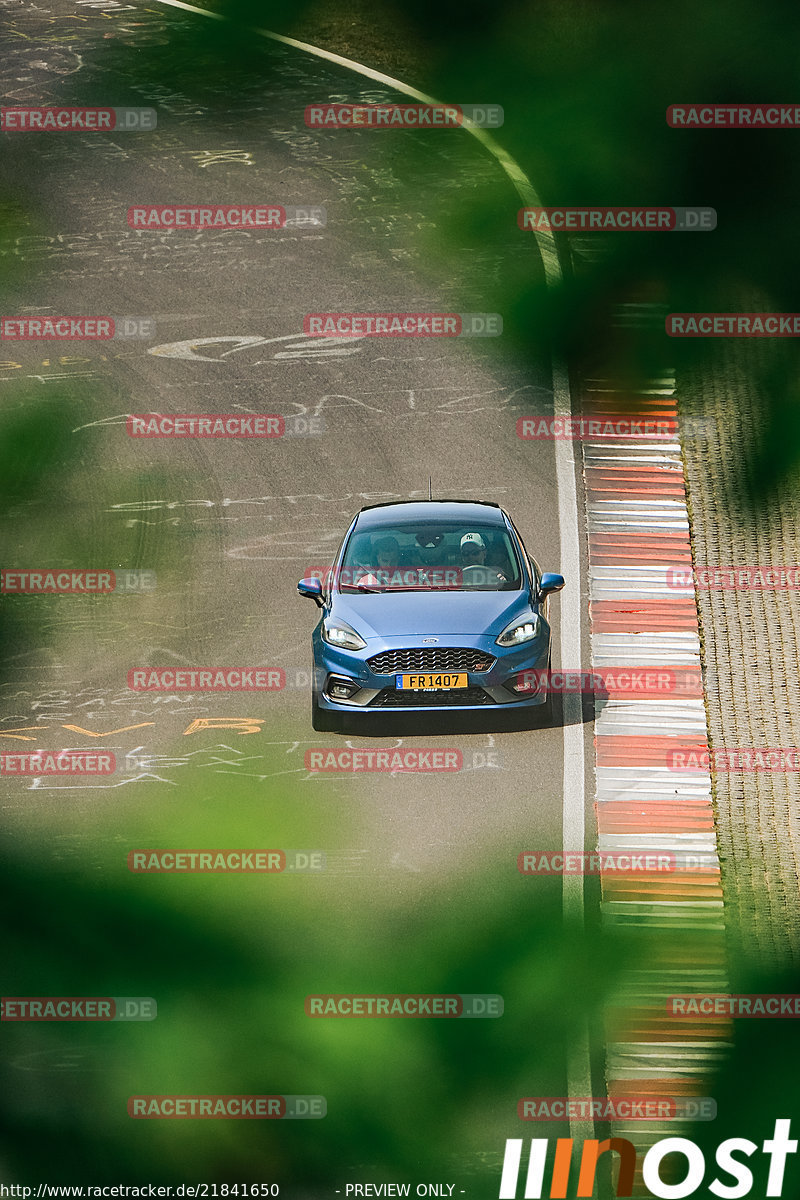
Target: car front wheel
[(322, 720), (546, 713)]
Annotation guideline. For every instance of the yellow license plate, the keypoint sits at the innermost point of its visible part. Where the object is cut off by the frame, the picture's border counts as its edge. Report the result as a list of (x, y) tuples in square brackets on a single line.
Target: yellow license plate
[(433, 682)]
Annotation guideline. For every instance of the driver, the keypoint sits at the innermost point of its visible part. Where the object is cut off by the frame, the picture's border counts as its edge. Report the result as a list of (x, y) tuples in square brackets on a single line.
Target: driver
[(473, 554)]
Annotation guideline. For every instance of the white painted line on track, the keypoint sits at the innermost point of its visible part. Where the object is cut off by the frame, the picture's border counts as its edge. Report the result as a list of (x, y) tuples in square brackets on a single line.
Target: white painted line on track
[(522, 184), (579, 1079)]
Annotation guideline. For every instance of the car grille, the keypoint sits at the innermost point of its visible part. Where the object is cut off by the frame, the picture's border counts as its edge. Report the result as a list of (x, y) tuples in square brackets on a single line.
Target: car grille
[(401, 698), (444, 658)]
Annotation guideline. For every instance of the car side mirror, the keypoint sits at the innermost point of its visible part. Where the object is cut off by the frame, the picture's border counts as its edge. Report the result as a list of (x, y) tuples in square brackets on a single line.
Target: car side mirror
[(311, 589), (550, 583)]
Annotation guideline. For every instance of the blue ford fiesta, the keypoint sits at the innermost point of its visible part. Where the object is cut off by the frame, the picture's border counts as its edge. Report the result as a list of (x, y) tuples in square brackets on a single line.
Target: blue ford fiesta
[(428, 606)]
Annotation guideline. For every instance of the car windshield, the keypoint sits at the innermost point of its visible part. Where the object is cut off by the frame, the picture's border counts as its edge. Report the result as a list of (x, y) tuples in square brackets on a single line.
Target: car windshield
[(443, 556)]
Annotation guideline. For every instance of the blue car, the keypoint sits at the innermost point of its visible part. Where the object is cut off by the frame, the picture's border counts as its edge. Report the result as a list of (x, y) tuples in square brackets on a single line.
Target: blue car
[(429, 606)]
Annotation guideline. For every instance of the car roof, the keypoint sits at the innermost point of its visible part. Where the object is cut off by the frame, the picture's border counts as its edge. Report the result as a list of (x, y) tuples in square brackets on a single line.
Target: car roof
[(483, 512)]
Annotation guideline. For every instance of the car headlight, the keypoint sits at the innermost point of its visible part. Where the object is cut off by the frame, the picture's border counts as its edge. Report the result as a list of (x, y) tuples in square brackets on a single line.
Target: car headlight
[(520, 630), (339, 633)]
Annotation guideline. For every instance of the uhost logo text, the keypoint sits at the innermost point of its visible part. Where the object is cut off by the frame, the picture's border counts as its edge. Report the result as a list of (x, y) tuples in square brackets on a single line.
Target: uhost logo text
[(739, 1183)]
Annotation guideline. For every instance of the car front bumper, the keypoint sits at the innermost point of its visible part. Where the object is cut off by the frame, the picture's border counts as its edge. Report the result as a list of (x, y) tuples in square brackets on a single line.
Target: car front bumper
[(377, 693)]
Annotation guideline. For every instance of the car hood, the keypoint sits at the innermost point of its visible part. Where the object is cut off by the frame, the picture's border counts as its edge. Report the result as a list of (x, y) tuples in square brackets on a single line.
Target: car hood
[(422, 614)]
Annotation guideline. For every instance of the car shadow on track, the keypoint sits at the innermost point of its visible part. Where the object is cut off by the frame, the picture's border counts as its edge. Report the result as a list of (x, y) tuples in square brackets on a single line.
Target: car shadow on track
[(438, 723)]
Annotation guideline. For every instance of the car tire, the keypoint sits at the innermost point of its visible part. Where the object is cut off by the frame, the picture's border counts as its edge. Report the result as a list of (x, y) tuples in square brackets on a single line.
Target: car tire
[(322, 720), (546, 713)]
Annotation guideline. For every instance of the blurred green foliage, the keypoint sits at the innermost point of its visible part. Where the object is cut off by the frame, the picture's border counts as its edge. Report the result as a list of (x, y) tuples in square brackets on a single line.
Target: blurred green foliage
[(585, 88), (229, 960)]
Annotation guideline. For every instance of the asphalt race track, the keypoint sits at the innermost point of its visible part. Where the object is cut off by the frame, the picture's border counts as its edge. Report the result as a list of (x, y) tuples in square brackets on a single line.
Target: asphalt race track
[(230, 525)]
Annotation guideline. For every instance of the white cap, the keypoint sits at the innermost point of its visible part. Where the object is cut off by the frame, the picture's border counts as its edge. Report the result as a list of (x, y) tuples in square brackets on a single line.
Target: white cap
[(473, 539)]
